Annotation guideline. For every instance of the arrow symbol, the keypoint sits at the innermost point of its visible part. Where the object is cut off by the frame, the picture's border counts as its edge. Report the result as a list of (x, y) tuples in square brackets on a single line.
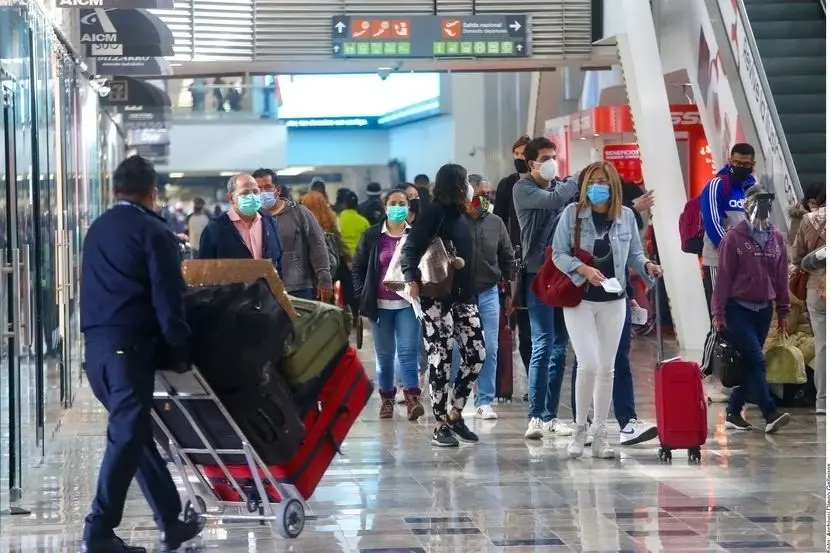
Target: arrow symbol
[(519, 47), (336, 48), (515, 26), (340, 26)]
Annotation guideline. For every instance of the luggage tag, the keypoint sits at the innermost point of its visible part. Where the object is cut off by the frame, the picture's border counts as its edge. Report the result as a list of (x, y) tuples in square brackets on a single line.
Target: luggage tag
[(612, 286), (639, 316)]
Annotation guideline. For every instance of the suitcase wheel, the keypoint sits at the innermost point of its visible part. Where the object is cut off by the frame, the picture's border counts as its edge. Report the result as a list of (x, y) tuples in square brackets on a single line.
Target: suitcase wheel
[(694, 455), (190, 512), (252, 504), (290, 518), (664, 454)]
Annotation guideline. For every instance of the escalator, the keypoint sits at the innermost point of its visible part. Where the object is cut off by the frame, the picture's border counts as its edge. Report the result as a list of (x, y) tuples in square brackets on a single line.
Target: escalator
[(790, 35)]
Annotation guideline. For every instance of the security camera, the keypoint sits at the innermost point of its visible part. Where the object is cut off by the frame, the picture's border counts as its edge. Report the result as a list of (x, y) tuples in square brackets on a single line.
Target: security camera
[(384, 74), (104, 91)]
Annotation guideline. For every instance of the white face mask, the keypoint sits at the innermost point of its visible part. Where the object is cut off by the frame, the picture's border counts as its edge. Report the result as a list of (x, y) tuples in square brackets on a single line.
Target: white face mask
[(470, 192), (548, 169)]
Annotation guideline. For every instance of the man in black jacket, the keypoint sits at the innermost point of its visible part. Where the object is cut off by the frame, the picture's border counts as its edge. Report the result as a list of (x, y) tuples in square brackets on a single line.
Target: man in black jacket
[(505, 210), (132, 317)]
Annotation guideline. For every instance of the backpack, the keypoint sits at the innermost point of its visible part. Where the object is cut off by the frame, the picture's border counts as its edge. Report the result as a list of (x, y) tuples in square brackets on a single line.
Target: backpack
[(690, 223), (333, 248)]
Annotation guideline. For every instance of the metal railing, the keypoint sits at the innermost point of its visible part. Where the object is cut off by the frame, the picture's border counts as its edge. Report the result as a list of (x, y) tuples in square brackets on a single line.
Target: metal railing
[(222, 101)]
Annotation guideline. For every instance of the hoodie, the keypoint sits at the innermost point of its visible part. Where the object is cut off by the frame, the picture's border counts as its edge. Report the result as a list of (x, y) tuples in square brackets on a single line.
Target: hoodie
[(722, 207), (305, 258), (751, 273)]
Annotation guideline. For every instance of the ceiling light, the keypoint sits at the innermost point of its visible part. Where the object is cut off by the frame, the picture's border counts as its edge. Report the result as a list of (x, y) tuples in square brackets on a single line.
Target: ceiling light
[(294, 171), (227, 174), (176, 175)]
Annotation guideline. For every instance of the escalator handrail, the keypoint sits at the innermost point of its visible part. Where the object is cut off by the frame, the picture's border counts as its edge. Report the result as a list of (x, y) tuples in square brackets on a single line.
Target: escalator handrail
[(823, 4), (767, 91)]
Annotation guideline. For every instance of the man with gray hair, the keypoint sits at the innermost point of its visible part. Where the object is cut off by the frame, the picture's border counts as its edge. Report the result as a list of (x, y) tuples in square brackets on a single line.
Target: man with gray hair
[(242, 232)]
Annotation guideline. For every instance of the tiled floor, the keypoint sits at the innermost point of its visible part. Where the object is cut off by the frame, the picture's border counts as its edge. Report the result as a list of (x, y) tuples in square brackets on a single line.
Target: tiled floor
[(393, 493)]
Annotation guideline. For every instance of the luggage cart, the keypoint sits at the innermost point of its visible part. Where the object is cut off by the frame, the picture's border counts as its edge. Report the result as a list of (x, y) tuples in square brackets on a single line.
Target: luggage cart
[(287, 517)]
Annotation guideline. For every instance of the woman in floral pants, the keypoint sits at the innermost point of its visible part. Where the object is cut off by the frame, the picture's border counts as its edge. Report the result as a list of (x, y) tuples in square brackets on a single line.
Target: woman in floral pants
[(454, 316)]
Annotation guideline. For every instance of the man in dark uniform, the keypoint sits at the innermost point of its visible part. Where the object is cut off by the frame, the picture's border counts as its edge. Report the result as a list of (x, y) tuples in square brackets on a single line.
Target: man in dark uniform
[(132, 317)]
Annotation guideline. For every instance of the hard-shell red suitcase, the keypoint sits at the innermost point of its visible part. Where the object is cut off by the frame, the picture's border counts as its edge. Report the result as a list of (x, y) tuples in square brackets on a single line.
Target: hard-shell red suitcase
[(341, 400), (504, 361), (679, 400)]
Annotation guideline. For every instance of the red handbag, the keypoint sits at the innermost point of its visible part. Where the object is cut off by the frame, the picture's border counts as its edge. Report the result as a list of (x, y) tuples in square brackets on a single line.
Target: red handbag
[(555, 288)]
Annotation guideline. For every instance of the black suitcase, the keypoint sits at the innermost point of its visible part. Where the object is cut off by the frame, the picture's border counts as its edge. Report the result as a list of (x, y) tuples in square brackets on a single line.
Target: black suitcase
[(238, 337)]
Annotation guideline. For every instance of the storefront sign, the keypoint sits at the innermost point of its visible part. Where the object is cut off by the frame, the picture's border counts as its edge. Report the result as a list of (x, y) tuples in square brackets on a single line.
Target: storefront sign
[(121, 4), (626, 160), (431, 36), (132, 66), (120, 33)]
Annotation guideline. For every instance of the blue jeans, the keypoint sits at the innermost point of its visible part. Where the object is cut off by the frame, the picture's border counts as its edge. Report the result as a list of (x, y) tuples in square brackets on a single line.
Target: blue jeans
[(396, 334), (623, 394), (306, 294), (488, 311), (423, 364), (748, 331), (549, 349)]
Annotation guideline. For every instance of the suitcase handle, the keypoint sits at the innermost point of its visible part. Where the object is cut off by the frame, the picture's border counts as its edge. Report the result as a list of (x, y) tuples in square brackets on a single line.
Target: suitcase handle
[(658, 322)]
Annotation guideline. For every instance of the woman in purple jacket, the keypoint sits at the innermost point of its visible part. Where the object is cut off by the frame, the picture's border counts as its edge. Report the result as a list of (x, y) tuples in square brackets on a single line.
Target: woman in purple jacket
[(752, 274)]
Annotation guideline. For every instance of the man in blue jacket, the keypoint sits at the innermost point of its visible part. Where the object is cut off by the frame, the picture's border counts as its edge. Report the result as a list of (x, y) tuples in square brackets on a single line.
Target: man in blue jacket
[(132, 317), (243, 232)]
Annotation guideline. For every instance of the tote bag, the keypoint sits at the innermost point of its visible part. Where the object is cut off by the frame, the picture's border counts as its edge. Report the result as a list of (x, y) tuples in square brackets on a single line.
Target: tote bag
[(785, 363)]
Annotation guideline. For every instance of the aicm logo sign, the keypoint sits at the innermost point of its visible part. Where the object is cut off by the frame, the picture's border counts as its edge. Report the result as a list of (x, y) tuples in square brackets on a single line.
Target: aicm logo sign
[(80, 3), (105, 32), (685, 118)]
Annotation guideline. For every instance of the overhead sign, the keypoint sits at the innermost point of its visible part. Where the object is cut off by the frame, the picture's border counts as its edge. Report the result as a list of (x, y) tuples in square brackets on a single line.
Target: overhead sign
[(118, 32), (147, 136), (146, 66), (431, 36), (121, 4)]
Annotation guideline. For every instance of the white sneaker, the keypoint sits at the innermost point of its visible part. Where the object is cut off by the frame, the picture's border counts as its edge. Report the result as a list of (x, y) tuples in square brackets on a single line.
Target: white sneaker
[(486, 413), (600, 448), (577, 446), (399, 397), (636, 432), (534, 429), (715, 391), (558, 428)]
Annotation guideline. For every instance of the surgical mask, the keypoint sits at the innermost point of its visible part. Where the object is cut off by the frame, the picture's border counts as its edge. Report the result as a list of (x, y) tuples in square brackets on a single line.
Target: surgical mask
[(520, 165), (248, 204), (598, 194), (397, 213), (470, 192), (268, 199), (415, 206), (548, 169), (740, 174)]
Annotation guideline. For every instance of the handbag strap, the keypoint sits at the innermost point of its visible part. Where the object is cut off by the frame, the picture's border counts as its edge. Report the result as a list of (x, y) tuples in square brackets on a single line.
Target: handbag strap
[(577, 233)]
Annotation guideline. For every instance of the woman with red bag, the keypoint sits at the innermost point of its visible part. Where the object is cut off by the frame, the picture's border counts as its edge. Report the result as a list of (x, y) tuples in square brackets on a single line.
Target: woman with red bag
[(599, 226)]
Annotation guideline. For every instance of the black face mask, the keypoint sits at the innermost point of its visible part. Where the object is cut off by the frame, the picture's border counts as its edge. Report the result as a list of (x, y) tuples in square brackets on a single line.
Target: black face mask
[(520, 165), (415, 205), (740, 174)]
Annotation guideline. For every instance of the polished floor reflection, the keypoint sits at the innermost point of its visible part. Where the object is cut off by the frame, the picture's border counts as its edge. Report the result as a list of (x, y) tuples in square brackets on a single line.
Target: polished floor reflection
[(392, 492)]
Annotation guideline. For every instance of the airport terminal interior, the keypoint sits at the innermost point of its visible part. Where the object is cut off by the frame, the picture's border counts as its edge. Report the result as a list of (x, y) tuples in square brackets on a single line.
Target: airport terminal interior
[(348, 101)]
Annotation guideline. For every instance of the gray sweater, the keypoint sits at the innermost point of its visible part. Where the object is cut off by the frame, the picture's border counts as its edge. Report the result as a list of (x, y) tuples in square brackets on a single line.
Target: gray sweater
[(536, 208), (305, 257), (492, 251)]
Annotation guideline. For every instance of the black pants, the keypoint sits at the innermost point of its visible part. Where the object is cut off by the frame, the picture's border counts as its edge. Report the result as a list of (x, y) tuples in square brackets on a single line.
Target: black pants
[(123, 380), (525, 344), (710, 275)]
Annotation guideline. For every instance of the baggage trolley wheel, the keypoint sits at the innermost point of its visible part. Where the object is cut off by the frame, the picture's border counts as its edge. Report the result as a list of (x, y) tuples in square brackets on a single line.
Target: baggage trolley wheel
[(252, 505), (694, 455), (290, 519), (664, 454), (189, 513)]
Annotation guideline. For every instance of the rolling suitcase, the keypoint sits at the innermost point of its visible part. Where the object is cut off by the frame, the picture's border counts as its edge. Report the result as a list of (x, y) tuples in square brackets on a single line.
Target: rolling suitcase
[(321, 336), (504, 362), (679, 400), (340, 402)]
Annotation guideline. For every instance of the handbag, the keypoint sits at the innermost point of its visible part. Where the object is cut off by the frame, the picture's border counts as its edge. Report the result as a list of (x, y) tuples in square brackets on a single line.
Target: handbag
[(555, 288), (798, 283), (725, 361), (785, 363), (436, 268)]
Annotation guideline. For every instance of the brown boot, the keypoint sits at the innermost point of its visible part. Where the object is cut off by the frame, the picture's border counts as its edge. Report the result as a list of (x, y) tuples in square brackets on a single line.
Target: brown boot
[(414, 409), (387, 407)]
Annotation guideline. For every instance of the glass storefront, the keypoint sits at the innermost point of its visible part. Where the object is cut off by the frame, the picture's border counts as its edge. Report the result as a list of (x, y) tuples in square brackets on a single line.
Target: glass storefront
[(57, 151)]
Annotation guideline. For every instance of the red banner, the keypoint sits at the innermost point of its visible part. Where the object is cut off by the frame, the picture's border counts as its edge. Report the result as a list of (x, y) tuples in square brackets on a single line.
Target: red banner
[(626, 160)]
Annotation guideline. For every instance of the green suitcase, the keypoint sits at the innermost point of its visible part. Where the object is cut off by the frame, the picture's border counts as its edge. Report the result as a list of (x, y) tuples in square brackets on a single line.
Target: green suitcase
[(321, 335)]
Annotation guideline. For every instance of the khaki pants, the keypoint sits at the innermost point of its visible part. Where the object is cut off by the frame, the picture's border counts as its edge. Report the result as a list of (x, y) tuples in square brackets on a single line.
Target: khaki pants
[(816, 307)]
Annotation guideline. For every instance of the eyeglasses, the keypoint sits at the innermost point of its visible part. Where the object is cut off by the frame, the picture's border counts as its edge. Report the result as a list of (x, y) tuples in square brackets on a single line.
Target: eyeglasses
[(744, 164), (248, 192)]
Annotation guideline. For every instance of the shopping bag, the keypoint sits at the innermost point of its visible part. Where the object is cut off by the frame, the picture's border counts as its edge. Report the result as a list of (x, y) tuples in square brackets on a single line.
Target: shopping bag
[(785, 363)]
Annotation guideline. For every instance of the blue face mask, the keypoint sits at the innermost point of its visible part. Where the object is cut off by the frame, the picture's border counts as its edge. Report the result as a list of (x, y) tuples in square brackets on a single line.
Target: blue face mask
[(268, 199), (598, 194), (397, 213)]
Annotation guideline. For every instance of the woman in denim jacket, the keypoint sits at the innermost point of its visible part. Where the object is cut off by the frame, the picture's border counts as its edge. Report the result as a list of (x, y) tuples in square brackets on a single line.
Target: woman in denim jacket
[(609, 233)]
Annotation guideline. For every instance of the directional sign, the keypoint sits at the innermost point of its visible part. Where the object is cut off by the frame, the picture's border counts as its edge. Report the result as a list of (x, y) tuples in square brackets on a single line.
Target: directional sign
[(431, 36)]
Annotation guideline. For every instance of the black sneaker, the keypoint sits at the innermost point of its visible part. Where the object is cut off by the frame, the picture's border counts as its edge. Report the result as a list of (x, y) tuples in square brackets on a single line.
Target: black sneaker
[(775, 421), (737, 422), (442, 437), (462, 432), (110, 545), (181, 532)]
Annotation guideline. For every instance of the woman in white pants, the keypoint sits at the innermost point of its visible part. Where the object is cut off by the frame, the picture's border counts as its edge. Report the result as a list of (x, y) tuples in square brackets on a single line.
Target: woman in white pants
[(608, 231)]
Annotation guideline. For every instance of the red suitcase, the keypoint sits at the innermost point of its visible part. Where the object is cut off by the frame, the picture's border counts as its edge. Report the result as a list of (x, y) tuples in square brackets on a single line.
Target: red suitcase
[(341, 401), (679, 400), (504, 362)]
